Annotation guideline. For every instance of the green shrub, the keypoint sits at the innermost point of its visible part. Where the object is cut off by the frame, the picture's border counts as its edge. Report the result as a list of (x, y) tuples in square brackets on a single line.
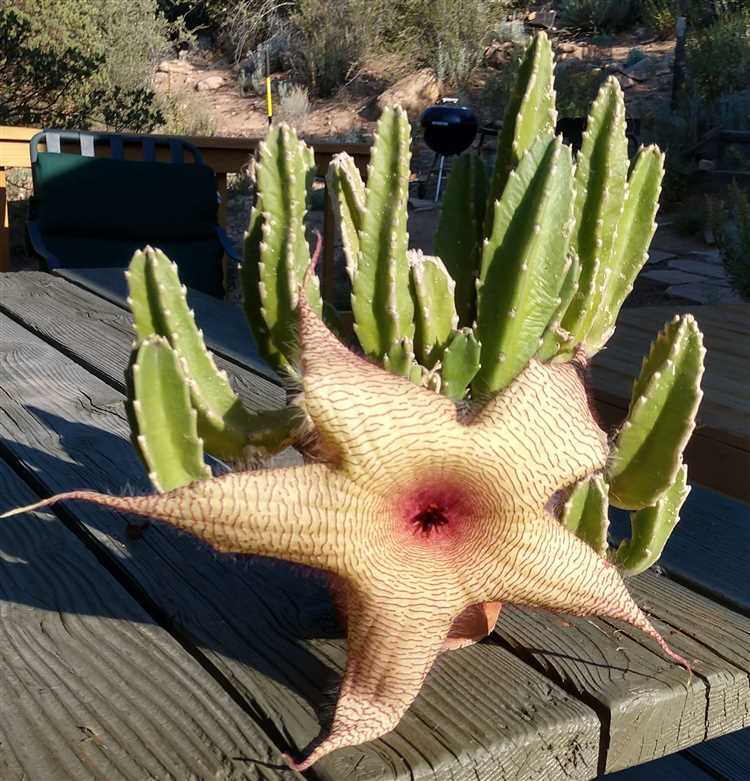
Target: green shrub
[(69, 63), (718, 56), (660, 16), (576, 84), (731, 226), (185, 112), (35, 80), (293, 105), (446, 35), (597, 15), (328, 42)]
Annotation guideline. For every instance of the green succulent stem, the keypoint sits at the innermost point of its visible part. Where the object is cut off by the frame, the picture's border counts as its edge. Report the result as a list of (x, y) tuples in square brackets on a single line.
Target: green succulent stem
[(530, 112), (647, 453)]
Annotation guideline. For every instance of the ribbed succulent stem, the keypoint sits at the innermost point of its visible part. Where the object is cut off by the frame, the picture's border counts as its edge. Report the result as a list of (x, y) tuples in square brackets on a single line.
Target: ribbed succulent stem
[(530, 111), (600, 180), (347, 194), (555, 338), (458, 241), (277, 254), (164, 421), (381, 302), (460, 363), (585, 513), (651, 527), (435, 317), (523, 263), (647, 453), (635, 229)]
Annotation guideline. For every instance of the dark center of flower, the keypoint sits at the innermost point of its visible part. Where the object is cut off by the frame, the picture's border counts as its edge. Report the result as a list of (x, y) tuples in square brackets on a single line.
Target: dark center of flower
[(430, 518)]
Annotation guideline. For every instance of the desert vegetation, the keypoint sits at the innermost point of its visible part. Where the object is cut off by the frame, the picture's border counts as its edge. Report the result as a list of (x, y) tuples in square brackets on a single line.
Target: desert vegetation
[(198, 67)]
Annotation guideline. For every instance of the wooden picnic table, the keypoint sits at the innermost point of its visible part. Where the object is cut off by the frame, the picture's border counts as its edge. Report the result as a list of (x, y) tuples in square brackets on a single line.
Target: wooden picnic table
[(133, 657)]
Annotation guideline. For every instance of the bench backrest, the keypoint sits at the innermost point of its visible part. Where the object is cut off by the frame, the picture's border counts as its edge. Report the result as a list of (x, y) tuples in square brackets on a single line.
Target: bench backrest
[(84, 195)]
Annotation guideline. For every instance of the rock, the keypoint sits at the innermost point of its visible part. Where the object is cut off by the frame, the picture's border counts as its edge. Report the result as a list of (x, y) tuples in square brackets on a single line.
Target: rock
[(671, 276), (413, 93), (643, 69), (174, 66), (625, 81), (705, 293), (497, 54), (209, 83), (657, 256), (706, 165), (704, 268)]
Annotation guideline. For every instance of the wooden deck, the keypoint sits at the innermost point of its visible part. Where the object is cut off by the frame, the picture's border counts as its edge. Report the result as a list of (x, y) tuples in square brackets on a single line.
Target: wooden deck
[(152, 657), (719, 452)]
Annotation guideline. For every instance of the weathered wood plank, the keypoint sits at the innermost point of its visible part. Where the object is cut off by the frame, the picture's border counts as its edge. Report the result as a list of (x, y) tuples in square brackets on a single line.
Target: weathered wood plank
[(725, 410), (718, 632), (263, 626), (647, 704), (728, 756), (648, 711), (225, 328), (710, 549), (100, 335), (674, 768), (91, 687)]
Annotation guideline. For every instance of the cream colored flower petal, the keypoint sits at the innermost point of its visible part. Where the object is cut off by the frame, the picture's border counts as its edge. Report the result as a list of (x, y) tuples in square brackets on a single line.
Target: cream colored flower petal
[(540, 432), (543, 565), (365, 415), (298, 513), (392, 644)]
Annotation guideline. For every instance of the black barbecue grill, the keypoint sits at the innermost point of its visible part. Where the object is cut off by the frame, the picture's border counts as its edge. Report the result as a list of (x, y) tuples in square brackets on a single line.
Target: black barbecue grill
[(449, 129)]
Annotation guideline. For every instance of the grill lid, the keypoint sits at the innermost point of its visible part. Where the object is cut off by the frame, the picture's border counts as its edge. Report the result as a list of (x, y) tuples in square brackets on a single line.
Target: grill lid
[(449, 129)]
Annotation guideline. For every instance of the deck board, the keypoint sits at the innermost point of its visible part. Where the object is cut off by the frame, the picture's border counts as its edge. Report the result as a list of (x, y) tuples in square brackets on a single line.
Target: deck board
[(91, 687), (710, 548), (718, 454), (67, 428), (100, 335), (229, 335), (528, 705), (727, 756)]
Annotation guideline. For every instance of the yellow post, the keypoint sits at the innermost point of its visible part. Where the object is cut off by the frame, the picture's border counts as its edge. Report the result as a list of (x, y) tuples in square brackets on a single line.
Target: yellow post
[(4, 225), (269, 99)]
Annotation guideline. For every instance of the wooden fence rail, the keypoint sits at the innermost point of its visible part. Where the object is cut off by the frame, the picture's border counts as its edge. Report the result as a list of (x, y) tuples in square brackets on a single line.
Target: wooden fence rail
[(223, 154)]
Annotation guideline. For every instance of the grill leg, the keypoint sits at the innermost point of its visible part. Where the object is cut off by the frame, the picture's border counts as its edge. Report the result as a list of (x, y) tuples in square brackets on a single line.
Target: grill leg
[(440, 178)]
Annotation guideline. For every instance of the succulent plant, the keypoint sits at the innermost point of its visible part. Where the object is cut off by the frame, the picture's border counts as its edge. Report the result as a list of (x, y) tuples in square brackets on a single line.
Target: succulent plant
[(458, 464)]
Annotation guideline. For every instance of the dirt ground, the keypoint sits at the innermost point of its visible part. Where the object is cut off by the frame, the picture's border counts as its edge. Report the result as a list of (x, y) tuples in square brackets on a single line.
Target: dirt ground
[(348, 117)]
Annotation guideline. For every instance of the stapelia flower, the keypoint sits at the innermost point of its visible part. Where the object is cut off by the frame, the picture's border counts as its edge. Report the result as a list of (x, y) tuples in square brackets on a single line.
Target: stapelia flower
[(430, 516)]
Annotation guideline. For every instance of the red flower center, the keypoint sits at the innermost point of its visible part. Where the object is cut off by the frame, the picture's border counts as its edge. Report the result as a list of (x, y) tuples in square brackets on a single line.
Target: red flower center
[(435, 510), (430, 519)]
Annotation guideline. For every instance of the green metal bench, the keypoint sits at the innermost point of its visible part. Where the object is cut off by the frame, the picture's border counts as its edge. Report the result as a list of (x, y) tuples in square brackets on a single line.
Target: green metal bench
[(92, 211)]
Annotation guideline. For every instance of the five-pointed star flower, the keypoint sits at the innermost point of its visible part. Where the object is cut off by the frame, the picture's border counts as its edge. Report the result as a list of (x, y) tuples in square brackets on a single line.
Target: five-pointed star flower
[(427, 514)]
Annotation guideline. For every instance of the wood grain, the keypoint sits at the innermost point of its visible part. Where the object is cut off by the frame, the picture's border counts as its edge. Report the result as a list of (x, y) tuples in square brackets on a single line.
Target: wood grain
[(710, 548), (91, 687), (674, 768), (224, 326), (725, 410), (100, 335), (262, 624), (728, 756)]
